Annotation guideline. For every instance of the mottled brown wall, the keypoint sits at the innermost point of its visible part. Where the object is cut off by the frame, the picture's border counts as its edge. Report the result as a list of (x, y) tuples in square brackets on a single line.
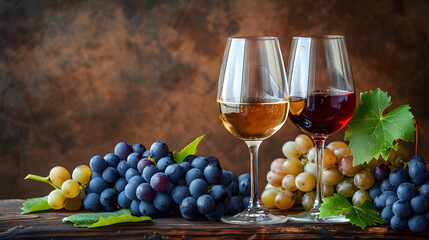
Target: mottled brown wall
[(78, 76)]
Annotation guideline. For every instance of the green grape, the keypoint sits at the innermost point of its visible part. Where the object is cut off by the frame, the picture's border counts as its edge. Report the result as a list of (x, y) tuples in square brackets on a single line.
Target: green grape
[(329, 158), (58, 175), (284, 200), (288, 183), (82, 174), (332, 176), (277, 163), (70, 188), (310, 168), (328, 190), (275, 177), (303, 143), (346, 187), (305, 182), (292, 166), (56, 199), (336, 144), (268, 196), (308, 200), (364, 179), (74, 204), (290, 150), (311, 155), (359, 197)]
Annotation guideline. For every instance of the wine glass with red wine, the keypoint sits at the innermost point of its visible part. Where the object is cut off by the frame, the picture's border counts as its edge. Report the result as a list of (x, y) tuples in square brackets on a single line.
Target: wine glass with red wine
[(252, 103), (322, 99)]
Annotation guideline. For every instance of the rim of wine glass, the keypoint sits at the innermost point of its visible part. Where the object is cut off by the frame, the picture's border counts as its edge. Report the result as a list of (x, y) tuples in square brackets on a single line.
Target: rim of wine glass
[(320, 36), (257, 38)]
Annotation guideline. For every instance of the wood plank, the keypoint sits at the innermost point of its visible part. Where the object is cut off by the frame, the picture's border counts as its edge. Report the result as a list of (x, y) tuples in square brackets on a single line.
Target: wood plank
[(48, 225)]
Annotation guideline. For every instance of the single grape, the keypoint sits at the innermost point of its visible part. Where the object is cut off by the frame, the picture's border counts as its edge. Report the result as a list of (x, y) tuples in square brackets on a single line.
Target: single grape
[(133, 159), (97, 164), (92, 202), (192, 174), (277, 164), (234, 188), (188, 208), (56, 199), (288, 183), (206, 204), (364, 179), (406, 191), (381, 172), (398, 176), (391, 200), (359, 197), (123, 200), (235, 207), (198, 187), (290, 150), (200, 163), (226, 178), (164, 162), (220, 193), (110, 174), (122, 150), (58, 175), (144, 192), (398, 223), (175, 172), (375, 190), (70, 188), (96, 174), (424, 190), (402, 209), (112, 160), (329, 158), (185, 165), (387, 186), (417, 223), (419, 203), (328, 190), (244, 185), (310, 168), (159, 182), (73, 204), (417, 158), (305, 182), (284, 200), (346, 187), (243, 176), (162, 201), (139, 148), (336, 144), (341, 152), (122, 168), (308, 200), (275, 177), (268, 197), (303, 143), (135, 208), (212, 172), (149, 171), (82, 174), (311, 155), (98, 184), (246, 200), (179, 193), (387, 214), (158, 150), (332, 176), (131, 172), (345, 165), (292, 166), (109, 199), (417, 171)]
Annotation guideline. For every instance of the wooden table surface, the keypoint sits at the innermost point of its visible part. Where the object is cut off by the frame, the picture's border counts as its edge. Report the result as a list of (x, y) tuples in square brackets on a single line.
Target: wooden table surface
[(49, 225)]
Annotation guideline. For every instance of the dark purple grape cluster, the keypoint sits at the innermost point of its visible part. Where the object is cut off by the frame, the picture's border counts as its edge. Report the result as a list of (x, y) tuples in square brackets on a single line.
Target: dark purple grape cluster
[(149, 182), (403, 196)]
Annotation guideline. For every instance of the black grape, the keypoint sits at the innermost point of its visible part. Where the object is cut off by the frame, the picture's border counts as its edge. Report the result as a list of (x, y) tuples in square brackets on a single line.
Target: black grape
[(97, 164), (109, 199), (92, 202), (112, 160), (158, 150), (122, 150)]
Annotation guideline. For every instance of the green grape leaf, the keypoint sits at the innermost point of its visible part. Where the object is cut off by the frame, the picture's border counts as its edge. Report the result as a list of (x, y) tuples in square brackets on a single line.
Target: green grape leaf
[(35, 205), (363, 215), (93, 220), (188, 150), (371, 133)]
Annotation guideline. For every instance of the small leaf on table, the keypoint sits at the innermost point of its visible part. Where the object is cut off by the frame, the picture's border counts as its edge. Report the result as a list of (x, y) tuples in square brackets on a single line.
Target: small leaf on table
[(35, 205)]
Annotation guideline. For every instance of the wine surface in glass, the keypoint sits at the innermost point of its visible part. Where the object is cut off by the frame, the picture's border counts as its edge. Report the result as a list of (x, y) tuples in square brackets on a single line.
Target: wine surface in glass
[(322, 113), (254, 119)]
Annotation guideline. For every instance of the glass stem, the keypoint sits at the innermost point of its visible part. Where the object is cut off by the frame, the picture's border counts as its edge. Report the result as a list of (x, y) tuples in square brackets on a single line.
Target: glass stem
[(253, 202), (320, 144)]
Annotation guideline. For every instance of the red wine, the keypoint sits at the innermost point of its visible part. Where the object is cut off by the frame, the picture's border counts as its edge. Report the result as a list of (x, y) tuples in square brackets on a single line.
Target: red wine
[(253, 121), (322, 113)]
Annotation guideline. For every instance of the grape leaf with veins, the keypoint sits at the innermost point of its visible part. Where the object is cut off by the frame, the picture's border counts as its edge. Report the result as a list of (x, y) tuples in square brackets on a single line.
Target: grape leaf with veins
[(371, 133)]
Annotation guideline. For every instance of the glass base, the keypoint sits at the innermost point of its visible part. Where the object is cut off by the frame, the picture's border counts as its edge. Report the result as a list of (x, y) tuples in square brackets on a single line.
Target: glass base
[(313, 217), (256, 217)]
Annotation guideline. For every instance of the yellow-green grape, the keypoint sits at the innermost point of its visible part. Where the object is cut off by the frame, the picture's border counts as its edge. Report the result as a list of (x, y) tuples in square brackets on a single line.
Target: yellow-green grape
[(275, 177), (332, 176), (336, 144), (268, 185), (74, 204), (290, 150), (298, 196), (56, 199), (82, 174), (341, 152), (328, 190), (70, 188), (284, 200), (311, 155), (303, 143), (305, 182), (310, 168), (292, 166), (268, 196), (346, 187), (277, 164), (364, 179), (359, 197), (329, 158), (288, 183), (58, 175), (308, 200)]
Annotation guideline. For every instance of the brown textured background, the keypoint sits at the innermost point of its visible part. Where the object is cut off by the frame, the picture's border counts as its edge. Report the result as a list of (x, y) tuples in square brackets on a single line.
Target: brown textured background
[(76, 77)]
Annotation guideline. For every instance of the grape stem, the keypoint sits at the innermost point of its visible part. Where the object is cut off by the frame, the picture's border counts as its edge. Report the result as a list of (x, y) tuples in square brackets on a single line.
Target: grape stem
[(41, 179)]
